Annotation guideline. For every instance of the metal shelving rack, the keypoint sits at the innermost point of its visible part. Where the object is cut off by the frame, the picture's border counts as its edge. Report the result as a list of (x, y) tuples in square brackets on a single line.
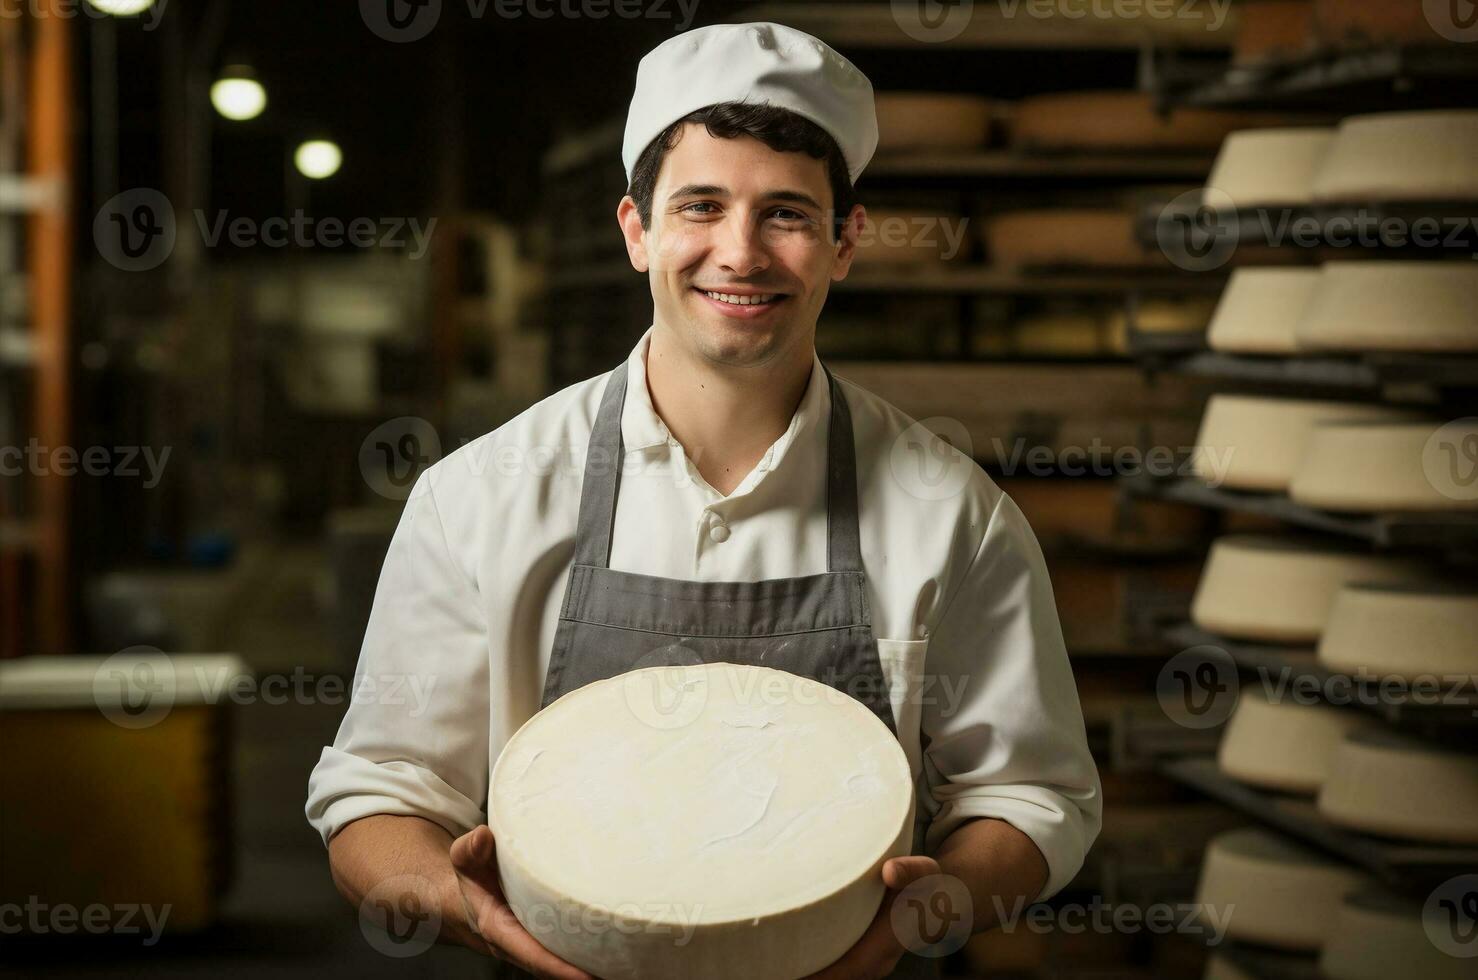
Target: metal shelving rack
[(1349, 82), (1377, 77)]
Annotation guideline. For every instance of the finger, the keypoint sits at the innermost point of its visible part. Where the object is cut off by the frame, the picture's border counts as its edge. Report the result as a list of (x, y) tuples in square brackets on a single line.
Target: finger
[(475, 859), (503, 930), (899, 872)]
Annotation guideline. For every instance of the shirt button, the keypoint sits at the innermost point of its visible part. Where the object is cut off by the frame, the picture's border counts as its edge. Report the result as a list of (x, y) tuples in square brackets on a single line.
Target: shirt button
[(719, 533)]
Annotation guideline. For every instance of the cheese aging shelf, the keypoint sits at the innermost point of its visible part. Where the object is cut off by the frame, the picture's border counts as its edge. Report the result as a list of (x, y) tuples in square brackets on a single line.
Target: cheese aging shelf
[(1392, 75), (1404, 866), (1449, 715), (1453, 532)]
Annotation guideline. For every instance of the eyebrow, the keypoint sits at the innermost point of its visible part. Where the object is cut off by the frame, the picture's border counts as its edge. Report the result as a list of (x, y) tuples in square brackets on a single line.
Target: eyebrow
[(714, 190)]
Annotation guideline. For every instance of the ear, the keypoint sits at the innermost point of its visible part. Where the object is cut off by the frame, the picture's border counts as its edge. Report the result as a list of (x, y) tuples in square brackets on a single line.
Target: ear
[(851, 233), (629, 219)]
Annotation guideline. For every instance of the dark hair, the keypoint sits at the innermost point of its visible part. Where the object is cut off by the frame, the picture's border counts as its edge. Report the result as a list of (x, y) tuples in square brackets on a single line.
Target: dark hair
[(779, 129)]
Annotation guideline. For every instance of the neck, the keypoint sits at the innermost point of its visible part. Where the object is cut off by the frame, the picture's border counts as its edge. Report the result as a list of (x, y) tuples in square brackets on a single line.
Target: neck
[(725, 417)]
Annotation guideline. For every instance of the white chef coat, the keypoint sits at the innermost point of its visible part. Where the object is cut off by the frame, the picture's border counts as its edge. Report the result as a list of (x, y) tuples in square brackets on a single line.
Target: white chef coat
[(469, 597)]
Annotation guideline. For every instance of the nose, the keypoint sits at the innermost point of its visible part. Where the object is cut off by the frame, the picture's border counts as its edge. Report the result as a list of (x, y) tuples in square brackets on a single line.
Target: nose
[(740, 249)]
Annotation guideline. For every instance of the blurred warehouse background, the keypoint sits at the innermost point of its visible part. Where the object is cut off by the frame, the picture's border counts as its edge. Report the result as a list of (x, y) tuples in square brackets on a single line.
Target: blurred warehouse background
[(1193, 280)]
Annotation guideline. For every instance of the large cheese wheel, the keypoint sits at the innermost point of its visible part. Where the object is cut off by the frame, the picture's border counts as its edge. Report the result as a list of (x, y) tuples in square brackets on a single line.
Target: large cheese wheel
[(1367, 22), (1272, 29), (1280, 589), (1402, 156), (1396, 786), (1272, 890), (721, 821), (1091, 237), (1110, 120), (932, 121), (1377, 467), (1270, 166), (1378, 935), (1259, 310), (1411, 632), (911, 237), (1392, 306), (1250, 442), (1283, 745)]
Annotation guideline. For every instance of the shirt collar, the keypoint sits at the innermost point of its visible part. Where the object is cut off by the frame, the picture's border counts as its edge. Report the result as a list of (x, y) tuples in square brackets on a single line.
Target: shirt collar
[(642, 427)]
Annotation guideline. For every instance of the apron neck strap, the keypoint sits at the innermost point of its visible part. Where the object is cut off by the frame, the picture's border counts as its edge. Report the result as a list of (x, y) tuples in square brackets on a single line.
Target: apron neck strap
[(607, 451)]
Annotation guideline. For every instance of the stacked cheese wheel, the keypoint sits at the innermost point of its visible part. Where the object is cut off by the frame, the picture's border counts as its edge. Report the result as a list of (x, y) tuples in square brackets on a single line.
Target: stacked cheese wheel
[(700, 821), (911, 238), (1279, 589), (1108, 121), (1378, 935), (1272, 891), (1067, 237), (1408, 632), (1389, 784), (1283, 745), (932, 121), (1260, 167), (1257, 443)]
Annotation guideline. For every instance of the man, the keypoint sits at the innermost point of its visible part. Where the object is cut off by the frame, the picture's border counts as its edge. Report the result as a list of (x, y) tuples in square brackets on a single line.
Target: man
[(720, 460)]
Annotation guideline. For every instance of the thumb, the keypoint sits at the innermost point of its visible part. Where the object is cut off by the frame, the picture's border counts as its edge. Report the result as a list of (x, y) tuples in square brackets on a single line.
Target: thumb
[(474, 855), (900, 872)]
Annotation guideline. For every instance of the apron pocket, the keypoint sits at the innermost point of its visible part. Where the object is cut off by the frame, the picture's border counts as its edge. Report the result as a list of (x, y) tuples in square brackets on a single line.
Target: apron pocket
[(903, 670)]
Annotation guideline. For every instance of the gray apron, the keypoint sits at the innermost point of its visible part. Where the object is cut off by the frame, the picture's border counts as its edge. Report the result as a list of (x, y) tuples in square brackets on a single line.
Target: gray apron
[(817, 626)]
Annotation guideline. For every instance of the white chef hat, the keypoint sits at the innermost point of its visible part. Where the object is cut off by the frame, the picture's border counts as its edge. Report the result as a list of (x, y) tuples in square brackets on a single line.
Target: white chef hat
[(758, 62)]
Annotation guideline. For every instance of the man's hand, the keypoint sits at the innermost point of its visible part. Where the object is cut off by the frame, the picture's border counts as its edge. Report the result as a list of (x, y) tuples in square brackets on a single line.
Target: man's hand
[(877, 953), (475, 860)]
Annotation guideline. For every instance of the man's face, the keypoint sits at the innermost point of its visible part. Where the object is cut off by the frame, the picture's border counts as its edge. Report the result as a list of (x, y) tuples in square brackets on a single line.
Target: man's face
[(733, 220)]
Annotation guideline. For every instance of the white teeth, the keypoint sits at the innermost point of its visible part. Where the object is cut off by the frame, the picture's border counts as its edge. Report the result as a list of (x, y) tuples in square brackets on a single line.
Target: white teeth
[(740, 300)]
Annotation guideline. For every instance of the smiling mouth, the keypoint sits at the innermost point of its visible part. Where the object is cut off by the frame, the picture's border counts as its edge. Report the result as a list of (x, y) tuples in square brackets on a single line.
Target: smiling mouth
[(741, 299)]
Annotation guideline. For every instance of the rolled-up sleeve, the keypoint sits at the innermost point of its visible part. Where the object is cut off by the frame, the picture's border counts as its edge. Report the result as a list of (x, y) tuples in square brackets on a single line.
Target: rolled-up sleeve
[(414, 740), (1004, 734)]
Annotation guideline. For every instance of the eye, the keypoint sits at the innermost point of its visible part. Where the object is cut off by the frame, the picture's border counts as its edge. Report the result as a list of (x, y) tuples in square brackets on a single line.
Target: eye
[(697, 204), (790, 214)]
